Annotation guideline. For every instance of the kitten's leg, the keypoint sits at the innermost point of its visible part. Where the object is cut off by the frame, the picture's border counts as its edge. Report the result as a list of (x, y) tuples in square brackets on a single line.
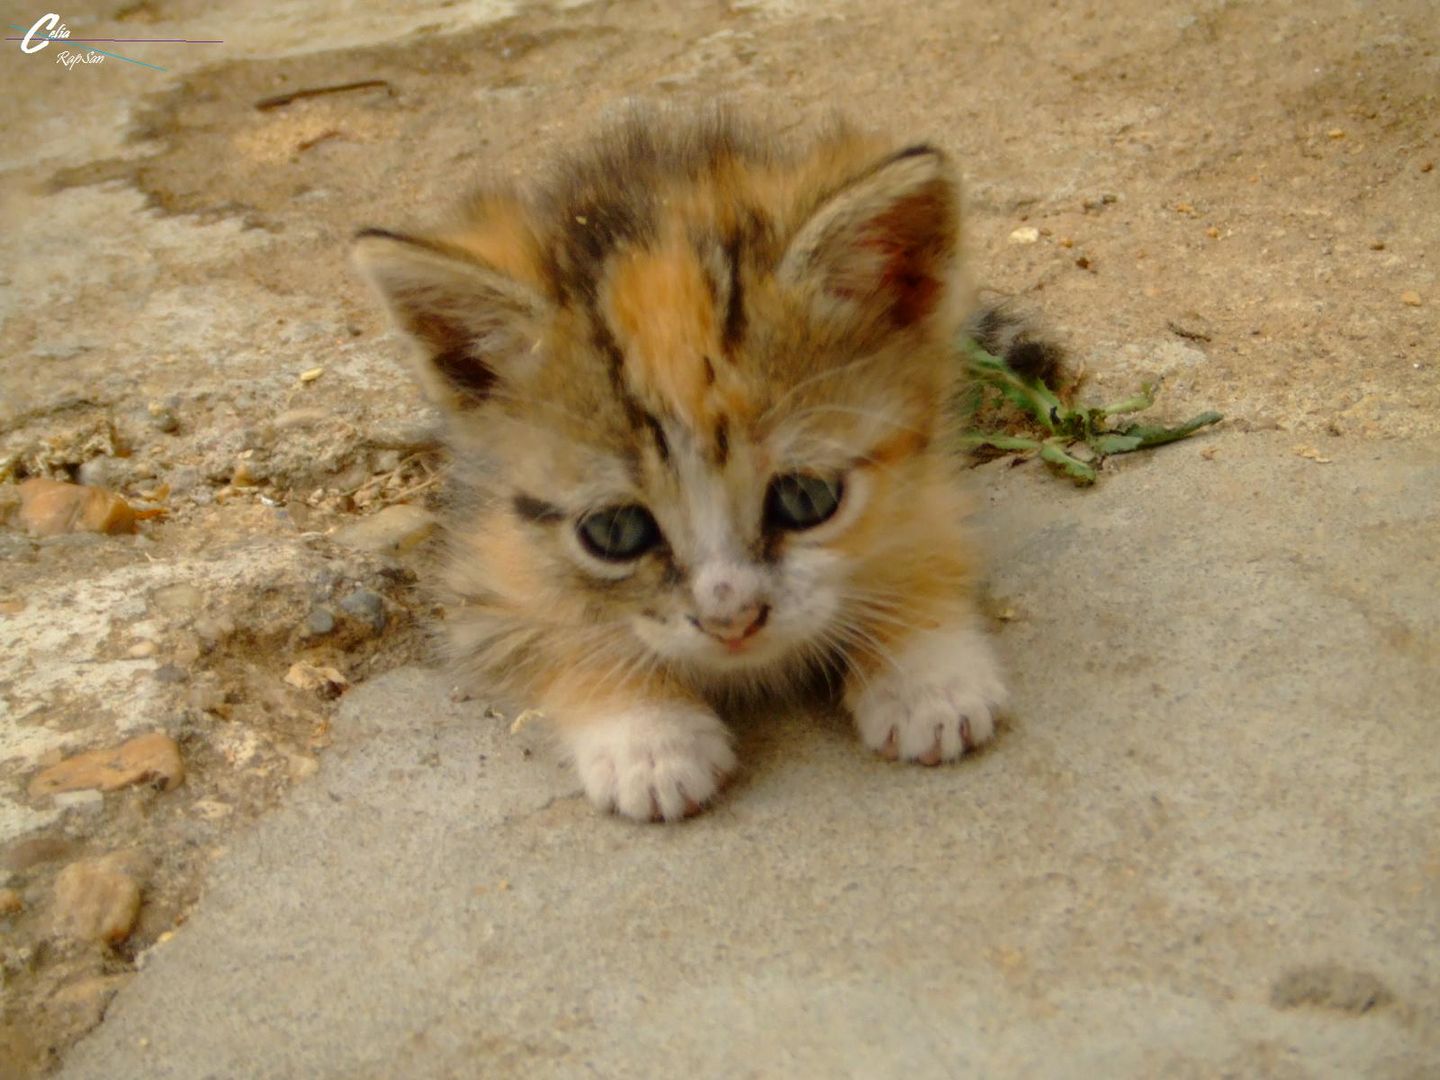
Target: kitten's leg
[(646, 757), (936, 699)]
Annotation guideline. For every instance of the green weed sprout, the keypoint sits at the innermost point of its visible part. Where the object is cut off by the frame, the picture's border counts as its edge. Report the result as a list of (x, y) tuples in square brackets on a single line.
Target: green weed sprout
[(1064, 426)]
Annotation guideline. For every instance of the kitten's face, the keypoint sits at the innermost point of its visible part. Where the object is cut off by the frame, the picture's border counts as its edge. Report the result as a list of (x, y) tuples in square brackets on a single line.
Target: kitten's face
[(709, 402), (735, 559)]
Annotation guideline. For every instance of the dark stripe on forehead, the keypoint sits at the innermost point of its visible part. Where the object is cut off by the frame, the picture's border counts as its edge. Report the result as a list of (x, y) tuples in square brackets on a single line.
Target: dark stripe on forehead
[(595, 218), (722, 443), (732, 331), (657, 433), (640, 418), (605, 343), (536, 511)]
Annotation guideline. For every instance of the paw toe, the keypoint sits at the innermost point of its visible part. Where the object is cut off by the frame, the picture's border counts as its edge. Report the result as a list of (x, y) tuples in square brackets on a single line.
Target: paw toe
[(654, 766)]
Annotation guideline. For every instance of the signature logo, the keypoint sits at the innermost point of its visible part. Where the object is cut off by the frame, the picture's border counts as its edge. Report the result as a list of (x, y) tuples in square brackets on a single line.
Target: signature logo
[(54, 30), (48, 30)]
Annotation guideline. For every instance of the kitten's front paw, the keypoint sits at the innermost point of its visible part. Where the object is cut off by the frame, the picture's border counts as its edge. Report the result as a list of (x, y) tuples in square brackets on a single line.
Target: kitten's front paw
[(653, 762), (938, 699)]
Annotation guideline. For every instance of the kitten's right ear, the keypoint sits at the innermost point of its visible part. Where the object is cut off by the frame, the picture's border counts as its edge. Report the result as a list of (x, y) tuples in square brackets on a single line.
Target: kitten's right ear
[(473, 323), (880, 250)]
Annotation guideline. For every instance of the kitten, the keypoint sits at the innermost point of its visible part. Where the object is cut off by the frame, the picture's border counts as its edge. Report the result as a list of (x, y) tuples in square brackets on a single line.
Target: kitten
[(699, 379)]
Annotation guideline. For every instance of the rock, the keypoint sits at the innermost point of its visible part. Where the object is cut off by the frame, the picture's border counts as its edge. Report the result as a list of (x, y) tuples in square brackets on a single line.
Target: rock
[(140, 650), (1026, 234), (162, 417), (51, 508), (367, 606), (1411, 298), (101, 472), (319, 622), (95, 901), (148, 759), (392, 530), (326, 681), (10, 903)]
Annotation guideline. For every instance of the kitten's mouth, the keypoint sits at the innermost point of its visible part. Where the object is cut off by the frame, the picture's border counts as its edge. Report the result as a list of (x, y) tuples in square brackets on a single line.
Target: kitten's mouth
[(738, 643)]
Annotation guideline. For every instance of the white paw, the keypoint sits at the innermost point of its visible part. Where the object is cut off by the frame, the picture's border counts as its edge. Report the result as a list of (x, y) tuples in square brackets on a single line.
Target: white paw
[(653, 762), (938, 699)]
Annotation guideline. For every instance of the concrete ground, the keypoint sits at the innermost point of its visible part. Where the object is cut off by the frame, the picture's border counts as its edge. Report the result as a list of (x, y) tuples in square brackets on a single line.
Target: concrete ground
[(1207, 843)]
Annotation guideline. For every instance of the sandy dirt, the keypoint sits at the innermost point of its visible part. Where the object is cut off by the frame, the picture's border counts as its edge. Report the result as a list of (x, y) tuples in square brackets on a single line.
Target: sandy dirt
[(1242, 199)]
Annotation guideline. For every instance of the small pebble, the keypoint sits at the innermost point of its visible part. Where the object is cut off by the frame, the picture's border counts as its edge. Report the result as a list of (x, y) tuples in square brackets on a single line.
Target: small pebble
[(140, 650), (326, 681), (101, 472), (150, 759), (50, 508), (391, 530), (162, 417), (1026, 234), (95, 901), (367, 606), (319, 622), (1410, 298)]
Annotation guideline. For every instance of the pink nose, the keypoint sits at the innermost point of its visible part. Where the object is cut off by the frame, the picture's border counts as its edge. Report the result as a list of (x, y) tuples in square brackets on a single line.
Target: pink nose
[(737, 626)]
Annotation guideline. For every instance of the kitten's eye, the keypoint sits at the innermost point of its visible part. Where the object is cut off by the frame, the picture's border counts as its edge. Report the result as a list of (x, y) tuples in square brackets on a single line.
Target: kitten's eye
[(802, 500), (619, 533)]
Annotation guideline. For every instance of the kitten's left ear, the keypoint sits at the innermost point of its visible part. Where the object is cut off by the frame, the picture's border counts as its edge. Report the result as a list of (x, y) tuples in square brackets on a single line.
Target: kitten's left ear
[(475, 326), (882, 248)]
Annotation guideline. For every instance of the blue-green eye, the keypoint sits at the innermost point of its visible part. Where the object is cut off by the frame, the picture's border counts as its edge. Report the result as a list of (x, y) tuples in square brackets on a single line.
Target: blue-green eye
[(802, 500), (618, 533)]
